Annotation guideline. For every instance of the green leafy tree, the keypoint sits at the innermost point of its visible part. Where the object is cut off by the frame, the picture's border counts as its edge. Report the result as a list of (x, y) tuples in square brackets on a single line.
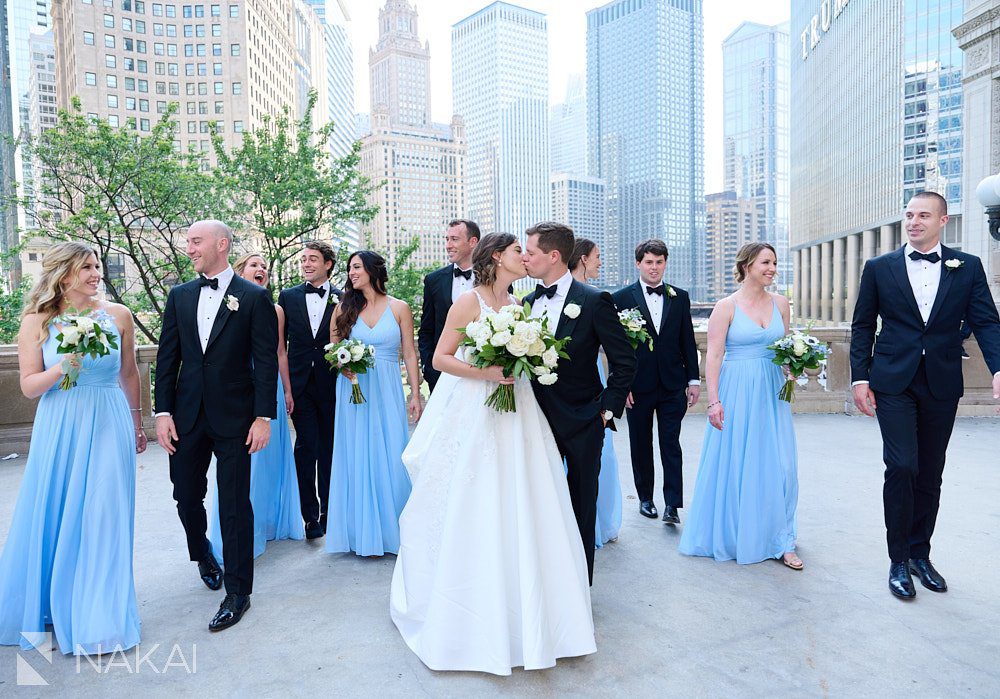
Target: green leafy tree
[(11, 304), (127, 194), (282, 185)]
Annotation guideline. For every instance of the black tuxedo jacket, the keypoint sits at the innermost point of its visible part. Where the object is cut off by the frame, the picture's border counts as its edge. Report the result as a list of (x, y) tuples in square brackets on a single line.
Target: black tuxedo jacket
[(577, 398), (434, 312), (674, 359), (885, 291), (236, 377), (305, 352)]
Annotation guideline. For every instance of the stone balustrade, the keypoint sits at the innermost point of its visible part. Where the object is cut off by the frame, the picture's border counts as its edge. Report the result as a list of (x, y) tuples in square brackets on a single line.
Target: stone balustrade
[(828, 391)]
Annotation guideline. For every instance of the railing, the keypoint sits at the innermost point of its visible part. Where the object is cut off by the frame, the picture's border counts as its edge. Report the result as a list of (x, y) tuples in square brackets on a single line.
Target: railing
[(824, 392)]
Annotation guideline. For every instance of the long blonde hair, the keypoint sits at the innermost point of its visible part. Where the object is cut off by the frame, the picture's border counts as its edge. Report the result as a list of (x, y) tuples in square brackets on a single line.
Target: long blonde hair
[(46, 297)]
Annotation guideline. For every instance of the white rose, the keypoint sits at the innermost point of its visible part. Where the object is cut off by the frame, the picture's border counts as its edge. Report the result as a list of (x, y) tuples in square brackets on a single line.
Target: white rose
[(547, 379), (85, 325), (541, 370), (517, 345), (343, 355), (512, 309), (357, 352), (473, 328), (799, 348), (635, 325), (502, 321), (483, 335), (329, 346), (500, 339), (526, 330), (550, 357), (70, 336), (571, 310), (537, 348)]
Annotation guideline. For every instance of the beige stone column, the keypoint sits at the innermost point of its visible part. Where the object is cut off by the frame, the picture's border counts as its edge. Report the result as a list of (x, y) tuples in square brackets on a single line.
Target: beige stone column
[(814, 282), (854, 263), (837, 301), (796, 282), (826, 279), (888, 239), (802, 312), (868, 250)]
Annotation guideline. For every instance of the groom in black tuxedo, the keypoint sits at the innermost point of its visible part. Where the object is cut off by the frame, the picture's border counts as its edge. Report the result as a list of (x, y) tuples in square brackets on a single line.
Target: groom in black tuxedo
[(308, 309), (666, 380), (216, 386), (442, 287), (577, 406), (913, 379)]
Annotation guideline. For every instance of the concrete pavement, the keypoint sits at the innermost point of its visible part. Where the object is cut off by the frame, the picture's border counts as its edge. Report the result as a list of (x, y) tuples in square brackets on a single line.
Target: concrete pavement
[(666, 624)]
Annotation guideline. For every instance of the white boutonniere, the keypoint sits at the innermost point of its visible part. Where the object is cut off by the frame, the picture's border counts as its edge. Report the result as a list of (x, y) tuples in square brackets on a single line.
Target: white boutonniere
[(670, 291), (954, 263), (571, 310), (232, 303)]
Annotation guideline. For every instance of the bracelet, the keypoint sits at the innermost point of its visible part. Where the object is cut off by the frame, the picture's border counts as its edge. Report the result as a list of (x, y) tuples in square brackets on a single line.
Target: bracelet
[(135, 410), (712, 405)]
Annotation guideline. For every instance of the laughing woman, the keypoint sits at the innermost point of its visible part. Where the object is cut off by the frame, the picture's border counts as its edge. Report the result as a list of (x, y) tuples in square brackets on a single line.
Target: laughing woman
[(68, 557)]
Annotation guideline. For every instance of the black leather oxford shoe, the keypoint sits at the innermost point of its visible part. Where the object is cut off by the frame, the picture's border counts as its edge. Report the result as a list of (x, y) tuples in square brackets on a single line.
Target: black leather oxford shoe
[(670, 515), (314, 530), (929, 577), (210, 572), (647, 509), (900, 582), (230, 612)]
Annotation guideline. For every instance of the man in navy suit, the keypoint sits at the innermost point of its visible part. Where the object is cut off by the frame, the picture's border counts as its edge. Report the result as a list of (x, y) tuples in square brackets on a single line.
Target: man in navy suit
[(666, 379), (913, 379), (308, 309), (442, 287)]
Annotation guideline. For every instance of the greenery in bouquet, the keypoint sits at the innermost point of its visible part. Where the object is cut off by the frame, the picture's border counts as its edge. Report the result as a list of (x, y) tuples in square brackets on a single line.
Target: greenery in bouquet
[(797, 352), (82, 336), (354, 356), (635, 328)]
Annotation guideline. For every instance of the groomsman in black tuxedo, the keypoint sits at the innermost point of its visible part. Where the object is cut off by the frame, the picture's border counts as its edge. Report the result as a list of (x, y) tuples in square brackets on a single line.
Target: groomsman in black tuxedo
[(216, 382), (913, 379), (666, 379), (442, 287), (308, 309)]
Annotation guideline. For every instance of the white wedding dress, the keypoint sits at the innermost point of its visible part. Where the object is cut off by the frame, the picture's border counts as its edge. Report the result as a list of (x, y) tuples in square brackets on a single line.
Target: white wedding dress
[(491, 573)]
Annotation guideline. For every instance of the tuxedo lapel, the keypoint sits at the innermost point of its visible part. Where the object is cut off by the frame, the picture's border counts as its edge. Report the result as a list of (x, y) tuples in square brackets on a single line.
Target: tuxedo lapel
[(447, 274), (236, 288), (304, 306), (666, 308), (897, 265), (190, 312), (944, 285), (640, 302)]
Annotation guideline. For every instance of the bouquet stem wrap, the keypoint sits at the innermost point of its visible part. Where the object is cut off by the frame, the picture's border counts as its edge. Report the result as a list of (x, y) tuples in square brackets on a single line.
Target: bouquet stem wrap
[(357, 397)]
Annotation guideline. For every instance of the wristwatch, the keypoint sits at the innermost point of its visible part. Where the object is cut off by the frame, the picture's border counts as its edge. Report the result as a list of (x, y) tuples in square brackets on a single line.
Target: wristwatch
[(608, 415)]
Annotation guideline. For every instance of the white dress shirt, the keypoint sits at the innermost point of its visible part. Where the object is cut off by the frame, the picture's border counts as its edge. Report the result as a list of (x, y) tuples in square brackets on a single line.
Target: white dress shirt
[(459, 285), (316, 306), (552, 308), (209, 302), (924, 279)]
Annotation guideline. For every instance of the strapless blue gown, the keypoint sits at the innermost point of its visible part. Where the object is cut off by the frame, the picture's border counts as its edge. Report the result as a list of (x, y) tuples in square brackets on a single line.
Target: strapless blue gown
[(368, 483), (274, 490), (747, 488), (67, 561)]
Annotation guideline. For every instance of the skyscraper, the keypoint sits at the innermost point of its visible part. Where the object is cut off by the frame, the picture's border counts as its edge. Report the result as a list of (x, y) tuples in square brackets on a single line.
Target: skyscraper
[(339, 73), (309, 37), (645, 128), (500, 86), (578, 201), (730, 222), (8, 215), (755, 131), (42, 110), (568, 130), (421, 163)]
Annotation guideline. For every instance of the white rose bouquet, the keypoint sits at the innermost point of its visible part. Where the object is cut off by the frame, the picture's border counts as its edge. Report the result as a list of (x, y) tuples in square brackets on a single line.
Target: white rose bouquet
[(356, 357), (81, 335), (521, 345), (797, 352), (635, 327)]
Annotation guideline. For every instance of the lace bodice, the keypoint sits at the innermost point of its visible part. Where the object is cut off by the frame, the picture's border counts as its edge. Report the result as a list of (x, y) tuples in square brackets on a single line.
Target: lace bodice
[(484, 308)]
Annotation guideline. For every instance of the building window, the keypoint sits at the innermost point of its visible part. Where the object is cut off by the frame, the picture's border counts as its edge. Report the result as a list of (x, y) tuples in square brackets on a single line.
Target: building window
[(88, 38), (112, 80), (113, 101), (109, 21), (90, 79), (238, 126), (216, 10), (237, 88), (113, 120), (110, 62), (234, 11), (218, 88), (234, 49)]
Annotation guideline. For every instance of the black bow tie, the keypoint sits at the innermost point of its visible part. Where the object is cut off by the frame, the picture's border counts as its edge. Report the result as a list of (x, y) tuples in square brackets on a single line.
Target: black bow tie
[(546, 291), (321, 290), (205, 281), (467, 273), (931, 257), (654, 290)]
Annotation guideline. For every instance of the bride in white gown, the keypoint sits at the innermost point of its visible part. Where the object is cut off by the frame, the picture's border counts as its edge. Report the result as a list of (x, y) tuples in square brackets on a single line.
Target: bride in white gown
[(491, 573)]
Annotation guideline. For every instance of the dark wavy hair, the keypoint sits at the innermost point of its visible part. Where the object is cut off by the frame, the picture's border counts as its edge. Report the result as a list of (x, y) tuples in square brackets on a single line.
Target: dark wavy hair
[(582, 247), (353, 301), (483, 264)]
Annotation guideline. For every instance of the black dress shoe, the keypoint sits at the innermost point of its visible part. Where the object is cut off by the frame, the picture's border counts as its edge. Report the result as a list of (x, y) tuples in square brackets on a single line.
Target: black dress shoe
[(670, 515), (313, 530), (929, 577), (230, 612), (322, 523), (900, 582), (647, 509), (210, 572)]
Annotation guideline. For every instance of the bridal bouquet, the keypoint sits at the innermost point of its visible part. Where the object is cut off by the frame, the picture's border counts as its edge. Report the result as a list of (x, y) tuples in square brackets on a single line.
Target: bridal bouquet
[(797, 352), (355, 356), (635, 327), (84, 336), (521, 345)]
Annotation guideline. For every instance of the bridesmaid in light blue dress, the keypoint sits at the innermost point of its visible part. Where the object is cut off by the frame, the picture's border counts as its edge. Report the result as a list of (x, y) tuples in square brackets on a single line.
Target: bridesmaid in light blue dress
[(747, 488), (67, 560), (368, 483), (274, 488), (585, 264)]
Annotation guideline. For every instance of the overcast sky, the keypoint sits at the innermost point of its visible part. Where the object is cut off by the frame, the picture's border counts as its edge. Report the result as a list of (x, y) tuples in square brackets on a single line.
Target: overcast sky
[(567, 51)]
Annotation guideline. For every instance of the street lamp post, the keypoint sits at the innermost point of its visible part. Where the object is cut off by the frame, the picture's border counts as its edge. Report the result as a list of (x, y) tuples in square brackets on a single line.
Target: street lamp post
[(988, 193)]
